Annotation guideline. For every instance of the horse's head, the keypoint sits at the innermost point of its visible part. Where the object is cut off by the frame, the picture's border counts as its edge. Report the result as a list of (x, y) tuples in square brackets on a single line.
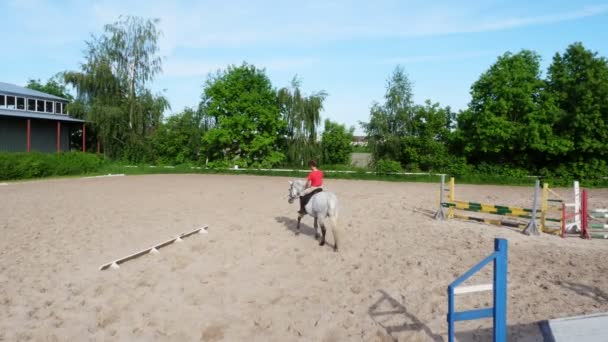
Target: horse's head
[(294, 191)]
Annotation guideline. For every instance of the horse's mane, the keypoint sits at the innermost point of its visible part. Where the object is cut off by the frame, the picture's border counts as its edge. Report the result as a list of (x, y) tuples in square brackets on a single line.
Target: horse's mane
[(299, 183)]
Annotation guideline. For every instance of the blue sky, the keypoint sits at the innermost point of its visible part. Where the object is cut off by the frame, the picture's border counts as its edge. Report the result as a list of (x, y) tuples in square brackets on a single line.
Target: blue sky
[(347, 48)]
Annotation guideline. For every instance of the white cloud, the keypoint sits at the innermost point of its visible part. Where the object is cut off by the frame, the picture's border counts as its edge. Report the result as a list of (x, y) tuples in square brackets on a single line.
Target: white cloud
[(439, 58), (241, 23), (587, 11)]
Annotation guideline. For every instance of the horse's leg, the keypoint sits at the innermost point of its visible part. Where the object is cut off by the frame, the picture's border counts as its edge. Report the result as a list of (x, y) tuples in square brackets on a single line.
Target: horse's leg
[(316, 229), (322, 242), (298, 227)]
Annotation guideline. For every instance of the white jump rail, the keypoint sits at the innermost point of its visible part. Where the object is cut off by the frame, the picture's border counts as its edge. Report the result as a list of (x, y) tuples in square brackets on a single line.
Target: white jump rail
[(106, 176), (473, 288), (153, 250)]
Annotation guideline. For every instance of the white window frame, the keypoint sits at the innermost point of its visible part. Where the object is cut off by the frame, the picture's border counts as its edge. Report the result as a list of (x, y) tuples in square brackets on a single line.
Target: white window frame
[(63, 110), (6, 101), (43, 106), (52, 107), (4, 105), (17, 102), (27, 104), (57, 104)]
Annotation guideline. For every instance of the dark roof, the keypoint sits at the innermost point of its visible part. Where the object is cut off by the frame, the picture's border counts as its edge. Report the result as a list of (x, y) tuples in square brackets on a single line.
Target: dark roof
[(12, 89), (34, 115)]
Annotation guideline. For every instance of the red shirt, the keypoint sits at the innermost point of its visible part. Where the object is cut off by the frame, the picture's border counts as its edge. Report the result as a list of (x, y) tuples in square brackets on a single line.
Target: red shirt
[(316, 178)]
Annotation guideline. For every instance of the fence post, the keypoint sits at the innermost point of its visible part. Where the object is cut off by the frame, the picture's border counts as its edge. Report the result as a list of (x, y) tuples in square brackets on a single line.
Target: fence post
[(499, 285), (500, 290), (452, 198), (532, 228), (439, 214)]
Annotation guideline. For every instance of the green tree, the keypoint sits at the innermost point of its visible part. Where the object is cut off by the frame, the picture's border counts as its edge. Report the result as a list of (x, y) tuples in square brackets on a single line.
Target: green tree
[(241, 110), (112, 90), (392, 120), (509, 118), (336, 143), (578, 81), (54, 86), (178, 140), (302, 115), (426, 147)]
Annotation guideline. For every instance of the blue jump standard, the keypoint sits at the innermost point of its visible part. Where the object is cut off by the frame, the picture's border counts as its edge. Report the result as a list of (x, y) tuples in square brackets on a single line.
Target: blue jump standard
[(499, 311)]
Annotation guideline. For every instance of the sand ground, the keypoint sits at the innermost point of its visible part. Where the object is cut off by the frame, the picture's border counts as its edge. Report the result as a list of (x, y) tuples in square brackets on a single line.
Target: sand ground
[(251, 279)]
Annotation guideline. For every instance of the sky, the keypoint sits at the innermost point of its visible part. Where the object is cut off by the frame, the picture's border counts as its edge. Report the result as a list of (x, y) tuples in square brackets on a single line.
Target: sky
[(346, 48)]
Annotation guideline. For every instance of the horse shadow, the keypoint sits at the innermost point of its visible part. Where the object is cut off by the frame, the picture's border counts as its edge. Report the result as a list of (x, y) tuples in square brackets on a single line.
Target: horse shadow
[(292, 224), (402, 320)]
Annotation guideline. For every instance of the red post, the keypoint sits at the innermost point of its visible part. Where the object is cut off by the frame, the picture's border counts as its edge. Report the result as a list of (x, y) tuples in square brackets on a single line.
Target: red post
[(564, 218), (584, 213), (58, 136), (29, 135), (84, 136)]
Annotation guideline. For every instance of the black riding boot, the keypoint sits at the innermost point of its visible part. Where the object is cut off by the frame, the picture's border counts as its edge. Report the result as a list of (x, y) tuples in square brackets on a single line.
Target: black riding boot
[(302, 206)]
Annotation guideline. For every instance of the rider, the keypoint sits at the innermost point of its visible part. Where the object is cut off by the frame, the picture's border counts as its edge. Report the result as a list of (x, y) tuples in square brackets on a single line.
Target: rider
[(314, 182)]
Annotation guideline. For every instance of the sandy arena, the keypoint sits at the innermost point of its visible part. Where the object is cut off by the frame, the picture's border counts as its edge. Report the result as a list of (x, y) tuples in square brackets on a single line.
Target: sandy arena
[(251, 279)]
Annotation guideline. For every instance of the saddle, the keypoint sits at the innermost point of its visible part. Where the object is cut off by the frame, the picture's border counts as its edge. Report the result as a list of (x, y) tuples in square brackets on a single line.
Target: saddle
[(307, 197)]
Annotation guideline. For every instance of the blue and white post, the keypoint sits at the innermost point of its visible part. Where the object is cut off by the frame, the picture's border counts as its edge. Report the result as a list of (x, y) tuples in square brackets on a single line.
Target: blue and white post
[(499, 311)]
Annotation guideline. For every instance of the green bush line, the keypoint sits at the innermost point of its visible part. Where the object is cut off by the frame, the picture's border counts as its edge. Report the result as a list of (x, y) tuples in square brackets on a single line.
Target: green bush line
[(15, 166), (358, 174)]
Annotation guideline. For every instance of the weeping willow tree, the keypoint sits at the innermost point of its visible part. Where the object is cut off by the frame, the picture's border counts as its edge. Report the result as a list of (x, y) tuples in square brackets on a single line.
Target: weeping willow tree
[(112, 90), (302, 115)]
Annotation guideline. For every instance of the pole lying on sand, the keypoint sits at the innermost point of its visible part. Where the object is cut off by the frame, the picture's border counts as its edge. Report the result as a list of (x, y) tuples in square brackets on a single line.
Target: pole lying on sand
[(153, 250)]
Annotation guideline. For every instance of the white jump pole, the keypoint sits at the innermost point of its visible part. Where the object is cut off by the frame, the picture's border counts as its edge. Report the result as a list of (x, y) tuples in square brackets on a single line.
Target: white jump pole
[(152, 250)]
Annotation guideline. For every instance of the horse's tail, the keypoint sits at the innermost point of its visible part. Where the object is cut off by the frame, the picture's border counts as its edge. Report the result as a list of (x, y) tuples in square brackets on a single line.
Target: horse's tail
[(332, 214)]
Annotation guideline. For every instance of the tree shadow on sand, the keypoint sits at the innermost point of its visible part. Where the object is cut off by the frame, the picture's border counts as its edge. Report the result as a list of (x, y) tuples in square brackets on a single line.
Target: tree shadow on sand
[(393, 316)]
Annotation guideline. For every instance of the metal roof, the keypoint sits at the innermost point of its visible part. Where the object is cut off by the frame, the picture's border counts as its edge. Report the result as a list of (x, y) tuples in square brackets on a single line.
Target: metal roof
[(12, 89), (33, 115)]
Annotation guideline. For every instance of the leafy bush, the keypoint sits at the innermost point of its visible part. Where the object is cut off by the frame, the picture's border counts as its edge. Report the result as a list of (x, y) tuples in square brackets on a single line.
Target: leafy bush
[(501, 170), (386, 166), (341, 167), (36, 165), (336, 143)]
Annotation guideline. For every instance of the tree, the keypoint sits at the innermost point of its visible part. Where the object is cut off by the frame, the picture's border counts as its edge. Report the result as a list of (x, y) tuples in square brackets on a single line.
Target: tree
[(336, 143), (578, 81), (54, 86), (178, 140), (240, 108), (392, 120), (509, 118), (111, 86), (426, 147), (302, 115)]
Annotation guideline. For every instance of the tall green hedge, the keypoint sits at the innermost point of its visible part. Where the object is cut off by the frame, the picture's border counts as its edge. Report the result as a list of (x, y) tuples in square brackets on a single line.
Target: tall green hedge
[(36, 165)]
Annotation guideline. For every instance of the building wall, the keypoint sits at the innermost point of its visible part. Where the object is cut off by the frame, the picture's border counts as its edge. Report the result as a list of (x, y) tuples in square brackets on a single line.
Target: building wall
[(13, 135)]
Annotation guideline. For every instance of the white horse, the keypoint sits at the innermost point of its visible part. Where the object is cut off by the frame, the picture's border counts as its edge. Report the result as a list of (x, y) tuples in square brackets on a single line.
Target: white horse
[(322, 206)]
